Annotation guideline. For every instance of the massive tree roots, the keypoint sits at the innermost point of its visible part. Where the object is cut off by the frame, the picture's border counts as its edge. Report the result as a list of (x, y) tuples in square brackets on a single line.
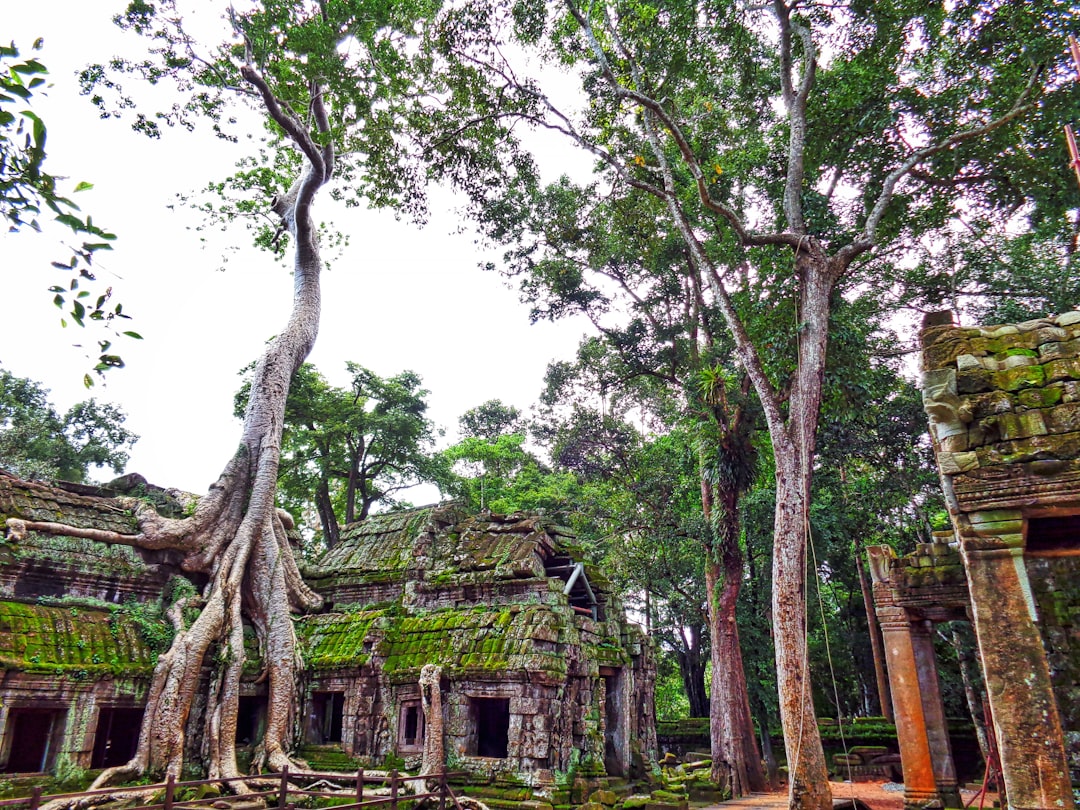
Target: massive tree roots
[(238, 539)]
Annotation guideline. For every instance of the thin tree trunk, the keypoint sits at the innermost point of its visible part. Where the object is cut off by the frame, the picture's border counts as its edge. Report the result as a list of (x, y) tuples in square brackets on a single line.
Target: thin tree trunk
[(692, 671), (966, 654), (762, 716), (735, 757), (325, 508)]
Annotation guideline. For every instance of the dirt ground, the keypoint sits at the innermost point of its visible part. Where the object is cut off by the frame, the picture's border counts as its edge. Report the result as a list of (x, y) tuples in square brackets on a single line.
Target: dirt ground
[(880, 799), (872, 793)]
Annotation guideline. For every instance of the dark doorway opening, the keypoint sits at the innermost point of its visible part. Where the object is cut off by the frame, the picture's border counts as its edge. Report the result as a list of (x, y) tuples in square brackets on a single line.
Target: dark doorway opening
[(491, 719), (117, 736), (32, 738), (613, 763), (411, 727), (1053, 536), (329, 711), (250, 719)]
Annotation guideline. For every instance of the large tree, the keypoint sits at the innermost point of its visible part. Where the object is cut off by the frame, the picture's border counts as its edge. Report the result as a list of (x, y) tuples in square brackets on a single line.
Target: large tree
[(347, 449), (324, 77), (791, 142), (36, 442)]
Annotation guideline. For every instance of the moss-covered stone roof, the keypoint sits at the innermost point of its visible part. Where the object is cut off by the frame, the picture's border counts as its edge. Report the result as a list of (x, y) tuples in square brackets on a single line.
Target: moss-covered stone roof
[(1001, 395), (509, 545), (447, 545), (472, 641), (378, 547), (517, 637), (29, 500), (74, 641), (336, 640)]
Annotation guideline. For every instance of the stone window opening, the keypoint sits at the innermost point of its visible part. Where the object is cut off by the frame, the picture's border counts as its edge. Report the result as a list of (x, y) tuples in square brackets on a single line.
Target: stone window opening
[(32, 739), (411, 726), (116, 737), (1053, 536), (491, 725), (328, 715)]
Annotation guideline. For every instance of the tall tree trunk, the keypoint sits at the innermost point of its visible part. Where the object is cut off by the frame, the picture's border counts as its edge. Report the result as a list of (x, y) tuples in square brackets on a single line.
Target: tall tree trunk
[(692, 671), (967, 653), (327, 518), (793, 445), (236, 536), (809, 782), (735, 757)]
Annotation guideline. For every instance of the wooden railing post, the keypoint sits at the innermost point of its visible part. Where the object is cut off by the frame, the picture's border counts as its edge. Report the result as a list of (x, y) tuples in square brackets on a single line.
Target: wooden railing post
[(283, 789), (442, 788), (35, 798), (360, 786), (170, 791), (393, 789)]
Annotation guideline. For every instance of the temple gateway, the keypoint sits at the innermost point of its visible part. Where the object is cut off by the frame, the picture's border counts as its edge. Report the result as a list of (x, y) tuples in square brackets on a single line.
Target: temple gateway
[(1004, 410)]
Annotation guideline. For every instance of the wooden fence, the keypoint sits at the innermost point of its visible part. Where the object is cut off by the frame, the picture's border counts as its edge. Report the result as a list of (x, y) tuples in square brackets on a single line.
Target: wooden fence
[(278, 785)]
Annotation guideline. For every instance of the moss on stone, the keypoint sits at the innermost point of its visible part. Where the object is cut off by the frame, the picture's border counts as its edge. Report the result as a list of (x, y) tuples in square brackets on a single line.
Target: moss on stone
[(336, 640), (75, 642)]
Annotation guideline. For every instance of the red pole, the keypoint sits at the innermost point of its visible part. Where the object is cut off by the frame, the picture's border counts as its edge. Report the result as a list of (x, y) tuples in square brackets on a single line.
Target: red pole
[(1070, 141), (1074, 48)]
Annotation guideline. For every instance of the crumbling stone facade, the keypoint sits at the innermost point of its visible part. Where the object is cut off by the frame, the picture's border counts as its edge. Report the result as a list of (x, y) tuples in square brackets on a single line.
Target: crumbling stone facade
[(1004, 410), (541, 673), (542, 676)]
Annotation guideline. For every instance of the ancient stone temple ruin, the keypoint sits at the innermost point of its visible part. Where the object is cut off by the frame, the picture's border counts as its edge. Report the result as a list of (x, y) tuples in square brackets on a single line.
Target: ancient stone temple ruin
[(542, 676), (1004, 409)]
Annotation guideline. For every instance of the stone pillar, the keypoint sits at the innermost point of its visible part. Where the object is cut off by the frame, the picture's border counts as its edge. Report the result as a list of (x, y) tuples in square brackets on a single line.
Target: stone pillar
[(920, 784), (1018, 684), (937, 730)]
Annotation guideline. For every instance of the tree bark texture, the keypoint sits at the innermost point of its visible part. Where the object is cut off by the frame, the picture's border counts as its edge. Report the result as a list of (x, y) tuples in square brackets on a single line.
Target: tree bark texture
[(735, 757), (794, 444), (692, 671), (434, 757), (237, 537)]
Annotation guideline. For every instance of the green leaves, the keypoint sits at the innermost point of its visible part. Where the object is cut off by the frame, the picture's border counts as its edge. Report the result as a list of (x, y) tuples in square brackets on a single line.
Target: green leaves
[(27, 189)]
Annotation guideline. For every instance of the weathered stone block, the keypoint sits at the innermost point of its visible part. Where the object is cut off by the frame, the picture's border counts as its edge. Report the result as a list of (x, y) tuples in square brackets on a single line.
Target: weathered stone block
[(969, 362), (605, 798), (953, 463), (974, 381), (1061, 370), (1014, 379), (1040, 397), (1064, 418), (1019, 357), (1068, 318)]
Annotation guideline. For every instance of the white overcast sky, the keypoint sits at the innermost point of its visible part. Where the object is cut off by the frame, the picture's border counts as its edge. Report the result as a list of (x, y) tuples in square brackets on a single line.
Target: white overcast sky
[(398, 298)]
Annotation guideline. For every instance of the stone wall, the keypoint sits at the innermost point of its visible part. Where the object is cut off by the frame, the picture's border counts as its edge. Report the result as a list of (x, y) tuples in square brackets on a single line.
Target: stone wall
[(1055, 584)]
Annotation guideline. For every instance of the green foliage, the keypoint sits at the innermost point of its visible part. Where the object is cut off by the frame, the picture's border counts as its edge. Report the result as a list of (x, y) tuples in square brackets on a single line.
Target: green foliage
[(501, 475), (345, 450), (38, 443), (356, 55), (670, 696), (28, 193)]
